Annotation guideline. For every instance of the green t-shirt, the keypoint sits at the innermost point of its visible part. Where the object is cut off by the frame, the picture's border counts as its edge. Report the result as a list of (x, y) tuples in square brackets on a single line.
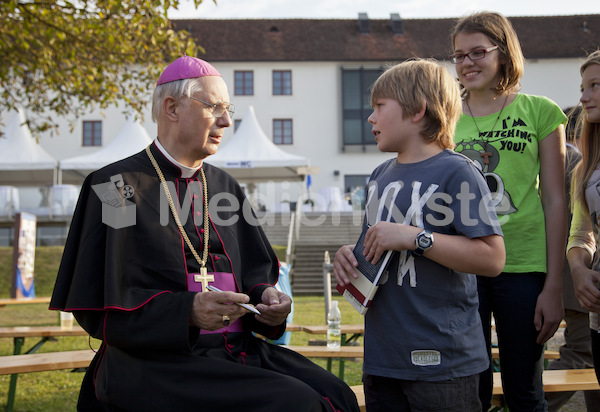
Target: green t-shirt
[(508, 156)]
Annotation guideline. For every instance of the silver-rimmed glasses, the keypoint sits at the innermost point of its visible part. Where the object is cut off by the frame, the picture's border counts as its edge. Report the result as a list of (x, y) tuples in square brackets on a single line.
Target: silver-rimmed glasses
[(473, 55), (219, 108)]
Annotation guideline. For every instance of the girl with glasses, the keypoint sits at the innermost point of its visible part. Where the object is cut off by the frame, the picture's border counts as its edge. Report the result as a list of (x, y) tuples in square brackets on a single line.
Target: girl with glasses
[(518, 142)]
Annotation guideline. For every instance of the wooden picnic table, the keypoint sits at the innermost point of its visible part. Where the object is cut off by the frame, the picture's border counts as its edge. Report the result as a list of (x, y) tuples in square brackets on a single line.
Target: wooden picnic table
[(40, 332), (19, 333), (355, 330)]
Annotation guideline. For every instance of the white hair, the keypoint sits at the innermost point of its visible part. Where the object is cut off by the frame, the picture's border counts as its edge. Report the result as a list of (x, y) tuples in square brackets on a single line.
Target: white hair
[(176, 89)]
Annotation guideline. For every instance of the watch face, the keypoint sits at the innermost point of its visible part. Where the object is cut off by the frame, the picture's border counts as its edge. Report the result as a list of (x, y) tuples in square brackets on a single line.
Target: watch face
[(424, 241)]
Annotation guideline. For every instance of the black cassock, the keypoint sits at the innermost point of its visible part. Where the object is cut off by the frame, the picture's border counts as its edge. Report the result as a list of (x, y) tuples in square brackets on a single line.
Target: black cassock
[(126, 283)]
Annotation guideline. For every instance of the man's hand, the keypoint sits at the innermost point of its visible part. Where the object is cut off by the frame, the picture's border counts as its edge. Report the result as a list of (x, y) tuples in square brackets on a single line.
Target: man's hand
[(274, 308), (209, 308)]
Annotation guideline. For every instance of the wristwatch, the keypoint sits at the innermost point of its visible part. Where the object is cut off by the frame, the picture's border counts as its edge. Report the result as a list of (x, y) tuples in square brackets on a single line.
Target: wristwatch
[(423, 242)]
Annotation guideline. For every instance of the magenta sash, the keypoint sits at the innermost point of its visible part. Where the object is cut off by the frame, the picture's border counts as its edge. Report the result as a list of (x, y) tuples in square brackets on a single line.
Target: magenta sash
[(222, 280)]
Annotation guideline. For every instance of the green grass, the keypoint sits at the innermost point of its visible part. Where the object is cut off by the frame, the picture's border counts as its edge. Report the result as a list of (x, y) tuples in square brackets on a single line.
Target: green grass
[(57, 391)]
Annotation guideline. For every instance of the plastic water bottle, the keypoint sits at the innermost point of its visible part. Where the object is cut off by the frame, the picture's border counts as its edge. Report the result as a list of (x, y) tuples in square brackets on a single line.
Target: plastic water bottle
[(334, 320)]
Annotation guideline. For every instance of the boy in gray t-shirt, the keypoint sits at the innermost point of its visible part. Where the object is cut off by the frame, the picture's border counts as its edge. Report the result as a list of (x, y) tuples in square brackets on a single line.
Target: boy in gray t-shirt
[(424, 344)]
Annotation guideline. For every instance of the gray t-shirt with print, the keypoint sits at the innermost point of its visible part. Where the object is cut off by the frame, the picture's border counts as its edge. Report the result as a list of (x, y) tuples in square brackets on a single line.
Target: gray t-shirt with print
[(423, 323)]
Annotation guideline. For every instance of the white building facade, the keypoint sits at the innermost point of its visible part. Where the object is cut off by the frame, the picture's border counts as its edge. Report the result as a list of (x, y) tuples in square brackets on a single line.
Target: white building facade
[(308, 81)]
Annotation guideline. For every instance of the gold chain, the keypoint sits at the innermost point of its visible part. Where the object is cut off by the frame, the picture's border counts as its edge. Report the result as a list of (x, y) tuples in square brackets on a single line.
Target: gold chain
[(202, 261)]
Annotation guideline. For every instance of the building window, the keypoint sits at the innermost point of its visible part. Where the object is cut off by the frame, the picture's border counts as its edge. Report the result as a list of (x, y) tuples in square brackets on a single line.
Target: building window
[(356, 105), (7, 236), (282, 82), (283, 131), (92, 133), (244, 83)]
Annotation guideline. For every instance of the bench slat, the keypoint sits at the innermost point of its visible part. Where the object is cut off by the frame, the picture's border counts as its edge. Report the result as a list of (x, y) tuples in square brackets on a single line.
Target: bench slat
[(345, 329), (360, 396), (548, 354), (358, 352), (554, 380), (24, 301), (324, 352), (40, 331), (560, 380), (39, 362)]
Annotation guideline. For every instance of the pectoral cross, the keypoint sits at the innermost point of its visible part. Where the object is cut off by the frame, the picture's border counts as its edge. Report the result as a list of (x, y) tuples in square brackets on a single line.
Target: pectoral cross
[(486, 157), (203, 277)]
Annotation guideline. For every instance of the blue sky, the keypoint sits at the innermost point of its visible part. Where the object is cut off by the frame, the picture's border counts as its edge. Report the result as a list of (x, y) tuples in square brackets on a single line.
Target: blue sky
[(377, 9)]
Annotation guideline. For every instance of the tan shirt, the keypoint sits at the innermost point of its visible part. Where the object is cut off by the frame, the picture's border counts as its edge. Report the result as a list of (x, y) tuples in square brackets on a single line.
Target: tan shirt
[(584, 233)]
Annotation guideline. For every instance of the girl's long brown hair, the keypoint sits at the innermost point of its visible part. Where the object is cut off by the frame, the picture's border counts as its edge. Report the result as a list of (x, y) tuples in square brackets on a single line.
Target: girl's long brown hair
[(589, 143)]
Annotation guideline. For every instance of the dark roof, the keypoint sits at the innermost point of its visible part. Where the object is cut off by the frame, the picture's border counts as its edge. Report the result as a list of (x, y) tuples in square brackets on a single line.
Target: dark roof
[(341, 39)]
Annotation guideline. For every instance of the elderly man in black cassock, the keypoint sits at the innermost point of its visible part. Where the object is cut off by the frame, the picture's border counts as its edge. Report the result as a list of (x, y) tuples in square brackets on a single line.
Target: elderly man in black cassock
[(150, 236)]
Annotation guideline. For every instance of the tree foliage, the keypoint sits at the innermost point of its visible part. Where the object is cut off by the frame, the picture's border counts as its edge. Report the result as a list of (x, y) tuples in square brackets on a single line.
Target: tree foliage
[(63, 58)]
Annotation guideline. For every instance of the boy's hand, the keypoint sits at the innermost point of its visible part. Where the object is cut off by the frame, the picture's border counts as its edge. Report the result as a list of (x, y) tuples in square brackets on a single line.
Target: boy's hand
[(385, 236), (344, 264)]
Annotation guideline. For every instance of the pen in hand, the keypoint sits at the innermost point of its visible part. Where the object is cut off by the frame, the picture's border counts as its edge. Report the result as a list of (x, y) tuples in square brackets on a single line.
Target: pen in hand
[(244, 305)]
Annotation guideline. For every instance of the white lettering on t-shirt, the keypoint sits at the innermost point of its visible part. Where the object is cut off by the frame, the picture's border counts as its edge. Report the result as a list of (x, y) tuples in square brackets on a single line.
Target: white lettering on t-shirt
[(425, 357), (406, 265), (414, 214)]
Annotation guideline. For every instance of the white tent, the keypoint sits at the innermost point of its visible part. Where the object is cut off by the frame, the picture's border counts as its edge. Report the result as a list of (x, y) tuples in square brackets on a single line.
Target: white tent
[(132, 138), (251, 157), (23, 162)]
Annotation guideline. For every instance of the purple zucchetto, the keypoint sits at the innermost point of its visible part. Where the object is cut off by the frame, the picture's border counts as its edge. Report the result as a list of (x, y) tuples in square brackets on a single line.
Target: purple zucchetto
[(187, 67)]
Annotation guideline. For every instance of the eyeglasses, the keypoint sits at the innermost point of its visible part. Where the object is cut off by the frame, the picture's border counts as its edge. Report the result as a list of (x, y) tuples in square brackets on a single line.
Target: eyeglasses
[(219, 108), (473, 55)]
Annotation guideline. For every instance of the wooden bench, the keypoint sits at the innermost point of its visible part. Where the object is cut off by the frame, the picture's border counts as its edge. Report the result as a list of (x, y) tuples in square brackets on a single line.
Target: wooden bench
[(548, 354), (358, 352), (345, 352), (561, 325), (325, 352), (554, 380), (360, 396), (19, 334), (23, 301), (560, 380), (345, 329), (292, 327), (566, 380), (40, 331), (354, 330), (40, 362)]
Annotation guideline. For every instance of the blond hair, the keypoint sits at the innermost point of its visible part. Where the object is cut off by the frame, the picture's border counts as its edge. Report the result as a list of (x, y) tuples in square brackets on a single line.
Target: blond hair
[(423, 82), (588, 142), (501, 33)]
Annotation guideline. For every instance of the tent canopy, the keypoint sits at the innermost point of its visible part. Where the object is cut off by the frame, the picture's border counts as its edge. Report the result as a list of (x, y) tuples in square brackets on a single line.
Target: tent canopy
[(131, 139), (251, 157), (23, 162)]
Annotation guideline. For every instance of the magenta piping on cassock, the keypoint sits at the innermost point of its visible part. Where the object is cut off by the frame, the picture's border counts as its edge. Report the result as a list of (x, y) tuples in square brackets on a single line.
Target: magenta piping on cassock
[(69, 309)]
